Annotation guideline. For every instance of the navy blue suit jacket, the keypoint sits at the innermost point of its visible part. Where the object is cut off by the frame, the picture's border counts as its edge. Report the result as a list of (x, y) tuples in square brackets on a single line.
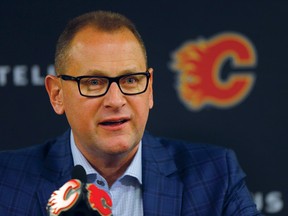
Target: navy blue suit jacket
[(178, 179)]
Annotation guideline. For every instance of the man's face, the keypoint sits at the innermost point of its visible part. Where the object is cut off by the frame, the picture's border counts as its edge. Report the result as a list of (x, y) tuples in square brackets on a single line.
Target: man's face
[(114, 123)]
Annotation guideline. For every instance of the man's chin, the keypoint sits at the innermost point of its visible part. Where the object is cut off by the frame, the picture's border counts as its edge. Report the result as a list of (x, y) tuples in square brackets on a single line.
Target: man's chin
[(121, 148)]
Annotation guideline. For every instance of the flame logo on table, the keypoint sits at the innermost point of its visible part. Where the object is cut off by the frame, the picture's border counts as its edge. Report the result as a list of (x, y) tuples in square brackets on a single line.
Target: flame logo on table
[(199, 65)]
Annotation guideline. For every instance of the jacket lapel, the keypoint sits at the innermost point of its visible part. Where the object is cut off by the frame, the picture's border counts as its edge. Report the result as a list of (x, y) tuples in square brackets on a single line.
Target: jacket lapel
[(57, 169), (162, 187)]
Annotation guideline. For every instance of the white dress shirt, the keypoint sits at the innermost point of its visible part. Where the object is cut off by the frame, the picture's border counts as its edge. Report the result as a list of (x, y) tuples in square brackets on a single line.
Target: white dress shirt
[(126, 192)]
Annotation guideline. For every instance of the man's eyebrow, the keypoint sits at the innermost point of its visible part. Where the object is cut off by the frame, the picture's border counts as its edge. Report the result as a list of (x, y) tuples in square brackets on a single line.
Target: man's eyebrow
[(96, 72)]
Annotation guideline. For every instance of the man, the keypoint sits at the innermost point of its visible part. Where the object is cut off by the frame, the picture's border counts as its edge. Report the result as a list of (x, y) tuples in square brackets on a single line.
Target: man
[(104, 87)]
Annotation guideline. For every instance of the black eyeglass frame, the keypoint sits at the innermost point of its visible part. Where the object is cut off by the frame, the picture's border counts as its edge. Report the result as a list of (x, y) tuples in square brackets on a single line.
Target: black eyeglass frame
[(110, 81)]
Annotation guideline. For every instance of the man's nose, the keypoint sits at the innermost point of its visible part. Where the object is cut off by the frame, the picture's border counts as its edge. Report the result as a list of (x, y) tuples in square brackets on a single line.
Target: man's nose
[(114, 97)]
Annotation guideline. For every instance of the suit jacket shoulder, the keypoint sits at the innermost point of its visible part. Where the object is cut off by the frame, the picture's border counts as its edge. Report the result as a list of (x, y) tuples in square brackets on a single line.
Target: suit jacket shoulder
[(193, 179), (28, 176)]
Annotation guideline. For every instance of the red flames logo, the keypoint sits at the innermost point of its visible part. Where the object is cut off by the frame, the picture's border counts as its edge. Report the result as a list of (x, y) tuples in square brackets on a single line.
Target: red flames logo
[(69, 194), (199, 65), (99, 200)]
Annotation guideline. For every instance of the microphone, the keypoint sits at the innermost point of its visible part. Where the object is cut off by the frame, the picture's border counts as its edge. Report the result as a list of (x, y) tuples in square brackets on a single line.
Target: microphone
[(77, 198), (79, 173)]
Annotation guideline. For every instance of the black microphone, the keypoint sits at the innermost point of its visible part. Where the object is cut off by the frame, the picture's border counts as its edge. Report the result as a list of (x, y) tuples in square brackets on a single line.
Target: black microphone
[(79, 173), (77, 198)]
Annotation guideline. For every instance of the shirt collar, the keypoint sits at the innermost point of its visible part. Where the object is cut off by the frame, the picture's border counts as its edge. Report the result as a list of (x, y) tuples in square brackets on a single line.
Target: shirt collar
[(134, 169)]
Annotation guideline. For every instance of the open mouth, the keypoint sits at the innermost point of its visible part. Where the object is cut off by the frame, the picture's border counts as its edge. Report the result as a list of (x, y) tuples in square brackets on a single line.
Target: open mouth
[(108, 123)]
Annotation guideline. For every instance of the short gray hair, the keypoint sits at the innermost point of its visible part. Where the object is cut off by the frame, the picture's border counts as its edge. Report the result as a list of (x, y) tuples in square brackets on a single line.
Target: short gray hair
[(106, 21)]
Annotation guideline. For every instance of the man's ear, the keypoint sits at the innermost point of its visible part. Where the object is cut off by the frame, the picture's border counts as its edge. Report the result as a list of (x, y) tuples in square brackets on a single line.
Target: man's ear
[(54, 90), (151, 100)]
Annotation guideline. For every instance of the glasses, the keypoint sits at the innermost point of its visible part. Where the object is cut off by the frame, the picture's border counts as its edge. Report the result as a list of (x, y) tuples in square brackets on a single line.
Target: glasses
[(97, 86)]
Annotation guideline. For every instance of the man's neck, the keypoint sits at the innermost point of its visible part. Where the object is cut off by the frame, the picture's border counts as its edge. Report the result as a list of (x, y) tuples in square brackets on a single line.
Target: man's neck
[(109, 166), (112, 168)]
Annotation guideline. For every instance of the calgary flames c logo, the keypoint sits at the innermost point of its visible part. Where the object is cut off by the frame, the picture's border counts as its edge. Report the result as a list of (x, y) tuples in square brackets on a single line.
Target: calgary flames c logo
[(70, 194), (99, 200), (199, 65), (64, 198)]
